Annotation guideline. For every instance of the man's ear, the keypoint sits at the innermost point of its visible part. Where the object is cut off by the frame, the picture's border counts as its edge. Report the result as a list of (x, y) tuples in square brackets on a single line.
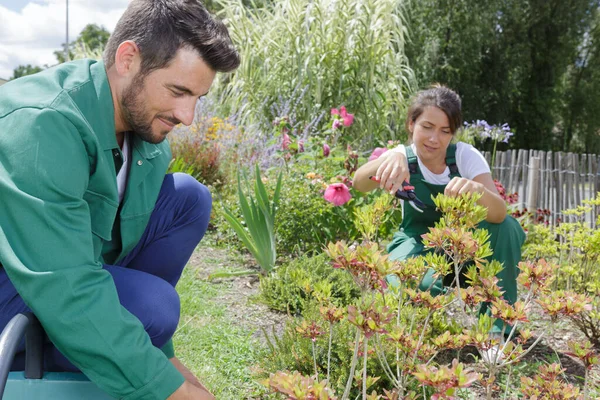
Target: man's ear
[(128, 59)]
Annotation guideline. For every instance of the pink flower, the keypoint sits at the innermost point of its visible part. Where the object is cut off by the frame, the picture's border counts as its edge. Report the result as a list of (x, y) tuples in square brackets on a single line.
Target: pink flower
[(337, 124), (348, 118), (335, 111), (377, 152), (285, 143), (326, 150), (337, 193)]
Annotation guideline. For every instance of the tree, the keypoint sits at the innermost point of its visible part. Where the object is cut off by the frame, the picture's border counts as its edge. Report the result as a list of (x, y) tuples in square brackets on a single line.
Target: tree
[(23, 70), (508, 59), (93, 38)]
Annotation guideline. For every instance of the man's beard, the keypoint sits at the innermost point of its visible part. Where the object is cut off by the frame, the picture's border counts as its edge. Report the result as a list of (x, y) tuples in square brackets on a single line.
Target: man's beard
[(134, 114)]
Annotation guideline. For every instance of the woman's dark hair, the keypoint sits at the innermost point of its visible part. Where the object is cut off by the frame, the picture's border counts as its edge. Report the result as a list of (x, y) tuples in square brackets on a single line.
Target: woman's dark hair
[(161, 27), (438, 96)]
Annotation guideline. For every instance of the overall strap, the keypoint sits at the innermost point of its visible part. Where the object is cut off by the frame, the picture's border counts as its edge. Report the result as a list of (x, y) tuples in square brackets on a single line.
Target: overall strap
[(451, 160), (413, 164)]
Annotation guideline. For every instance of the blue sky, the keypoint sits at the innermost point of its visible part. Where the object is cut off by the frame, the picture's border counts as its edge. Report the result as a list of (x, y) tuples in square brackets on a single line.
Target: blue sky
[(30, 31)]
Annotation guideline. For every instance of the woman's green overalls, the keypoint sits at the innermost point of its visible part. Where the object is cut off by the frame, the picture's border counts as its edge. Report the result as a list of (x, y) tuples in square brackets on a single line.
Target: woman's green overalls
[(506, 238)]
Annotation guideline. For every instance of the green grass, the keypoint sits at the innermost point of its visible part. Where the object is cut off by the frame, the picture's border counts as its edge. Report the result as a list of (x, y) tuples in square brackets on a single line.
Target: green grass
[(210, 344)]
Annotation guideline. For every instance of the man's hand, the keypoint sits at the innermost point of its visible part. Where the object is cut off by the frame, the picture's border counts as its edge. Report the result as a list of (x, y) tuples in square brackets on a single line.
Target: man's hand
[(187, 374), (187, 391)]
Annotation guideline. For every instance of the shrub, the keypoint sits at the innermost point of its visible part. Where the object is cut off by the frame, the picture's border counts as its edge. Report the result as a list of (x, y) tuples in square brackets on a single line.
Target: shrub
[(575, 247), (301, 280), (199, 150), (394, 343)]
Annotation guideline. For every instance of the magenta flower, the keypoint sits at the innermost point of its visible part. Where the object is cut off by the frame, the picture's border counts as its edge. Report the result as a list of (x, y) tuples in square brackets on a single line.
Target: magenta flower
[(285, 143), (337, 194), (347, 117), (326, 150), (377, 153)]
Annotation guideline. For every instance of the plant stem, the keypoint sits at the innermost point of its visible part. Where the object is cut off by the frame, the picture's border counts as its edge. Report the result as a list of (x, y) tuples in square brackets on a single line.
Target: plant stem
[(329, 350), (493, 157), (364, 385), (352, 366), (398, 325), (424, 328), (585, 384), (312, 342), (507, 382)]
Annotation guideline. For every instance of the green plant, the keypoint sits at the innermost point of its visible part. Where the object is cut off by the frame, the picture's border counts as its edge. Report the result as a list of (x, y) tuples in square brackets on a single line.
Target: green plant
[(199, 158), (291, 286), (404, 346), (575, 247), (258, 234)]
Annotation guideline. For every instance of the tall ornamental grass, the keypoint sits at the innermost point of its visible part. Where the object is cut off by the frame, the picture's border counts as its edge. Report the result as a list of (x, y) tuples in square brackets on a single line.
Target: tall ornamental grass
[(347, 52)]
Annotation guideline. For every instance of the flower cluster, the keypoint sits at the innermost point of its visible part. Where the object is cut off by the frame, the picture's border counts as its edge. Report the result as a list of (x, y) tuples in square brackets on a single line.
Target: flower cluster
[(341, 118), (498, 133), (510, 198)]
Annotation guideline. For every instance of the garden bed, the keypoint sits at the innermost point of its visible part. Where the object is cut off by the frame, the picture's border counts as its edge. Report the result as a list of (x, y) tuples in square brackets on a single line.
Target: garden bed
[(221, 333)]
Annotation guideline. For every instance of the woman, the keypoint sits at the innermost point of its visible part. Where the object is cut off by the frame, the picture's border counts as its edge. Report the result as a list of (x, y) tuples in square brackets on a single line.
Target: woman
[(432, 164)]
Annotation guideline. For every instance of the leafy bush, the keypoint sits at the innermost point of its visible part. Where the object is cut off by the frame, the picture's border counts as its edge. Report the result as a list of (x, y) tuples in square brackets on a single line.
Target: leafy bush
[(302, 280), (198, 150), (305, 222), (575, 247), (395, 344)]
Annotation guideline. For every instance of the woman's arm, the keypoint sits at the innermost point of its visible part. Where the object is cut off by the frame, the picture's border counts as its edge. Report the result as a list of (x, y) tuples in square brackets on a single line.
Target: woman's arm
[(490, 198), (390, 169)]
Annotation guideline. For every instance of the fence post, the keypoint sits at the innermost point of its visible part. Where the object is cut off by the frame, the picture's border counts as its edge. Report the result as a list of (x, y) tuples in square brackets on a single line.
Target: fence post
[(533, 183)]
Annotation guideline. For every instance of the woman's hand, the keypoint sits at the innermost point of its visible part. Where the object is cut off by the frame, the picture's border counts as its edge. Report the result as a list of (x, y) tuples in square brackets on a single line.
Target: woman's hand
[(389, 171), (459, 185), (490, 199), (392, 171)]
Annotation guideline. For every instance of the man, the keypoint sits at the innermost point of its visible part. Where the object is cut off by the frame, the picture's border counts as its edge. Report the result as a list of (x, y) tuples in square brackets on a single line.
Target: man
[(93, 234)]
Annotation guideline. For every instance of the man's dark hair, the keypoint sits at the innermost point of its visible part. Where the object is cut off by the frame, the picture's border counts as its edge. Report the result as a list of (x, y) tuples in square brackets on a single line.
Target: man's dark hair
[(161, 27)]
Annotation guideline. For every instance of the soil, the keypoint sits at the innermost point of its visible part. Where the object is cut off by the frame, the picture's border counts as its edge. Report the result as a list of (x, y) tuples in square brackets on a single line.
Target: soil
[(241, 300), (242, 305)]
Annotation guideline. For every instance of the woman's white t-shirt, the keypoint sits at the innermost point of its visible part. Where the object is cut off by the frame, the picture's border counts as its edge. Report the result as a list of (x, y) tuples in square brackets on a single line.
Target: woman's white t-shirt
[(469, 160)]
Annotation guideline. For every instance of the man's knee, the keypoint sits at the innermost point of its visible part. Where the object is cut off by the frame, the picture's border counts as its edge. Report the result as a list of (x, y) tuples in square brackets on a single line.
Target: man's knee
[(163, 309), (193, 194)]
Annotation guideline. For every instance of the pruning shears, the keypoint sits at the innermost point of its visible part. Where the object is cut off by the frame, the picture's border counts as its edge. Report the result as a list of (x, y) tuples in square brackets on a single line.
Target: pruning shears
[(407, 193)]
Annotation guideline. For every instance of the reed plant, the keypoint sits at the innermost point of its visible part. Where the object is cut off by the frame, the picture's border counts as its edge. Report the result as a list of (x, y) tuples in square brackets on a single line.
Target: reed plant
[(342, 51)]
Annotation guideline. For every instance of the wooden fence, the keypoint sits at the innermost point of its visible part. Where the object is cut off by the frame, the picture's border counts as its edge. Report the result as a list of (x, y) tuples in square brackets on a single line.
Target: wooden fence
[(553, 181)]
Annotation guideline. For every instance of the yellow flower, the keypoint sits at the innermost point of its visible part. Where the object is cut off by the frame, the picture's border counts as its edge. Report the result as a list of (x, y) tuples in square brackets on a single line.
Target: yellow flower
[(311, 175)]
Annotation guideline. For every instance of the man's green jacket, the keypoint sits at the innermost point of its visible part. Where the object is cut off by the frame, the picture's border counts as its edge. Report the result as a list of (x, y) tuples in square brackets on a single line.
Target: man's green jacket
[(60, 220)]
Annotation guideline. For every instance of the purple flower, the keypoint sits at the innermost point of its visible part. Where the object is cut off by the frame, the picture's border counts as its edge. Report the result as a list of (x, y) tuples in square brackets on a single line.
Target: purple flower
[(326, 150), (337, 124), (482, 123)]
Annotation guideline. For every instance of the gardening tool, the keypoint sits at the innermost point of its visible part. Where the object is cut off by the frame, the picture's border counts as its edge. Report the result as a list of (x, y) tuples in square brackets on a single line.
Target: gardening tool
[(407, 193), (34, 383)]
